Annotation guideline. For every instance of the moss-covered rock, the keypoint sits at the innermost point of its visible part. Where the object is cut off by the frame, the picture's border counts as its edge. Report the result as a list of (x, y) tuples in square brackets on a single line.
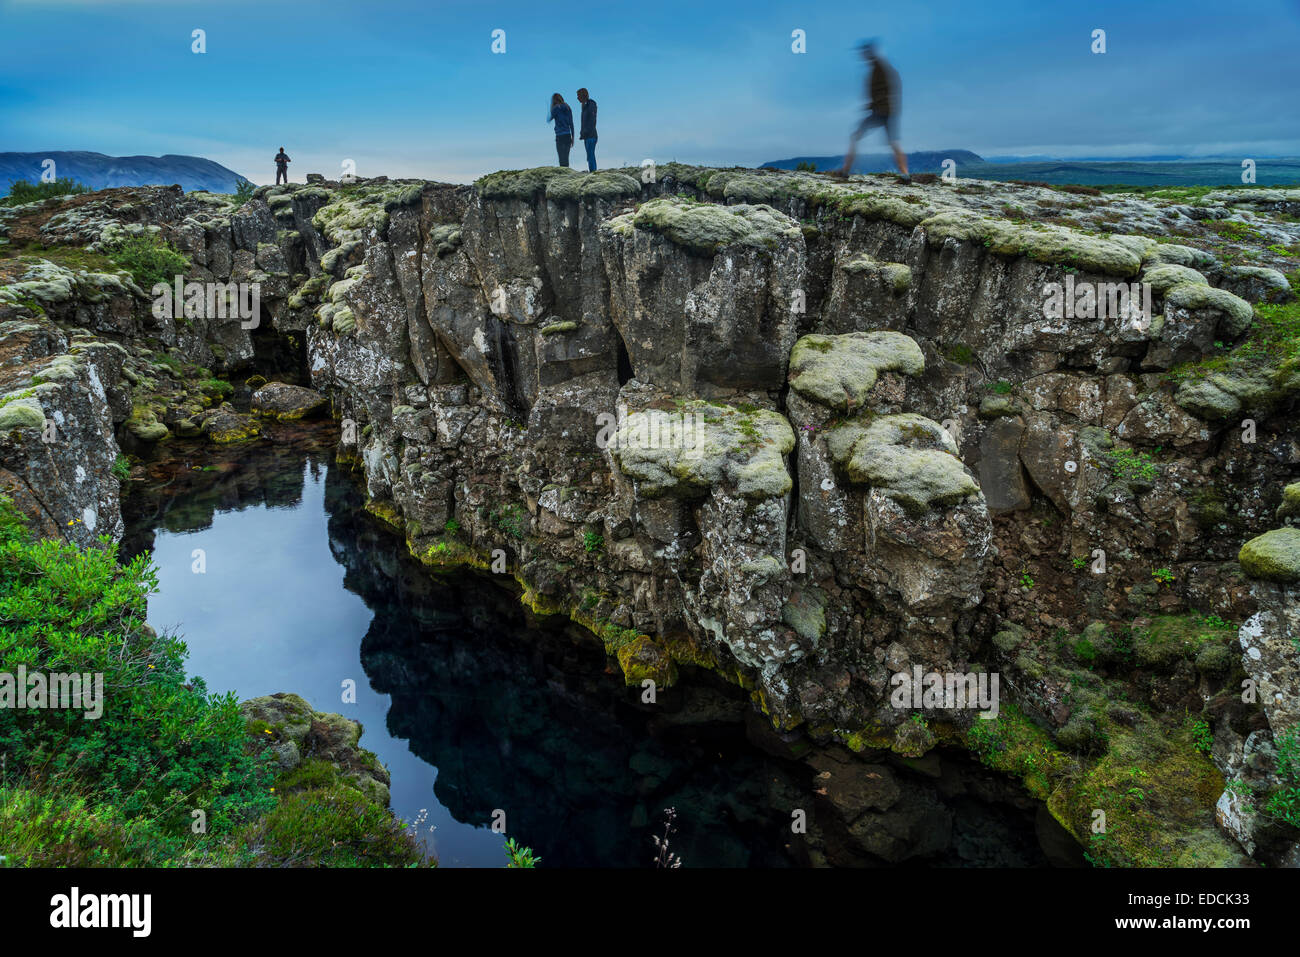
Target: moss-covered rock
[(1290, 507), (705, 444), (704, 229), (1273, 556), (642, 659), (805, 612), (22, 414), (1197, 295), (1163, 278), (1047, 244), (608, 185), (910, 458), (524, 184), (839, 371)]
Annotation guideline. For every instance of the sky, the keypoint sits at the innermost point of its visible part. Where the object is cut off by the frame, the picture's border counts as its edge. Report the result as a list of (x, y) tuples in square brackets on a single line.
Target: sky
[(415, 89)]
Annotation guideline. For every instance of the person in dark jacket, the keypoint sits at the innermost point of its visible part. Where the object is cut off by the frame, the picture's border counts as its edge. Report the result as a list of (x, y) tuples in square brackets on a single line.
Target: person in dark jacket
[(282, 162), (883, 100), (588, 132), (562, 117)]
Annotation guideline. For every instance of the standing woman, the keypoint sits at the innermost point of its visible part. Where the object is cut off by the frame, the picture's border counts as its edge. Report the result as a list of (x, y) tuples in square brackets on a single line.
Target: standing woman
[(562, 117)]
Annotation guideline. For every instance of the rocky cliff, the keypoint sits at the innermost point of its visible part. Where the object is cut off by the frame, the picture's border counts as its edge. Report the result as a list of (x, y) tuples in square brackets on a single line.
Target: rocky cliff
[(808, 434)]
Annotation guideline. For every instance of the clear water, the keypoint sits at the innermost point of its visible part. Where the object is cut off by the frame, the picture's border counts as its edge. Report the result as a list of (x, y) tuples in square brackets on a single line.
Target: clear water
[(477, 709)]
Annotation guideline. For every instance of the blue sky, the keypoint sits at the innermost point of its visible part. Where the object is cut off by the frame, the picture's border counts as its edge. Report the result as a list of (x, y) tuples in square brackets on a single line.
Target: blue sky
[(413, 89)]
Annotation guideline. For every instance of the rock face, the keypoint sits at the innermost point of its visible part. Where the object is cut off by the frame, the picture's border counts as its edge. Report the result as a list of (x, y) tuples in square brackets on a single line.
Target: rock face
[(807, 434)]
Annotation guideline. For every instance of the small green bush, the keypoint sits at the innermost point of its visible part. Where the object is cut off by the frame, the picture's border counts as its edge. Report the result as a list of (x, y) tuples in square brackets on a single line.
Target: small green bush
[(149, 259), (21, 191)]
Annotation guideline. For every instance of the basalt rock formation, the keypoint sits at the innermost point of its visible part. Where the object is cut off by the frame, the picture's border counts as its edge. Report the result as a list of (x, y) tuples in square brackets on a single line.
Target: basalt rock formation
[(808, 434)]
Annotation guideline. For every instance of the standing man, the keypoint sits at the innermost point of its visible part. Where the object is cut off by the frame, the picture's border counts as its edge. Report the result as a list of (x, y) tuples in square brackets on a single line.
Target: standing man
[(883, 98), (588, 132), (281, 166)]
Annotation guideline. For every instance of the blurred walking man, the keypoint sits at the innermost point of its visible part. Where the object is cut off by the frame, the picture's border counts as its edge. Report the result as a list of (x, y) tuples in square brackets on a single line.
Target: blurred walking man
[(883, 100)]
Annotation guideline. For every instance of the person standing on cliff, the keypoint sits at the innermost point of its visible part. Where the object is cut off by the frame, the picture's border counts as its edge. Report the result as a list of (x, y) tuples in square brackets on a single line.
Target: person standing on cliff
[(883, 101), (562, 117), (588, 131), (282, 162)]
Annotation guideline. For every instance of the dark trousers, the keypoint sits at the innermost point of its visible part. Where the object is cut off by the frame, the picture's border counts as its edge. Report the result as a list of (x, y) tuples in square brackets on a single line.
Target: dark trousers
[(590, 143), (281, 171), (562, 146)]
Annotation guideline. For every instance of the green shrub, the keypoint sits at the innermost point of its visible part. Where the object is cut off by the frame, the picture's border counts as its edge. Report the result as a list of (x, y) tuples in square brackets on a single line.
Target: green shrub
[(149, 259), (162, 746), (244, 192), (21, 191), (520, 857), (593, 541), (333, 826)]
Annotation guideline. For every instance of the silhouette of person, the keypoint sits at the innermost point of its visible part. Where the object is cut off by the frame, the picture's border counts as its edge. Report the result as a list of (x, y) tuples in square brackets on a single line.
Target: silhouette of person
[(562, 116), (883, 101), (588, 132), (282, 166)]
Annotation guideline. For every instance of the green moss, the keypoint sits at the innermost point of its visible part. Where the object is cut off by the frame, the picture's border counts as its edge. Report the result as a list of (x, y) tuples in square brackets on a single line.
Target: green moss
[(1048, 244), (1273, 556), (705, 229), (910, 458), (606, 186), (1197, 295), (22, 414), (1290, 507), (522, 183), (1173, 638), (643, 659), (1163, 278), (714, 444), (839, 371), (805, 612)]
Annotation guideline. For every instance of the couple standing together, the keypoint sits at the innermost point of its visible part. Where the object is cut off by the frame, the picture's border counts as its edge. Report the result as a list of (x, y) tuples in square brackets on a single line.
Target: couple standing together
[(562, 116)]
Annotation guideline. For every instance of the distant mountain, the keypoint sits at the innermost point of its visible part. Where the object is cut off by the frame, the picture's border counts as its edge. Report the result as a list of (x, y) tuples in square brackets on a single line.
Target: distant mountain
[(99, 171), (922, 161), (1132, 172)]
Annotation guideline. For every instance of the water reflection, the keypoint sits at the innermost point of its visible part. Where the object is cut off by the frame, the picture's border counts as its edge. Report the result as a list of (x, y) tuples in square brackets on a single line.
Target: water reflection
[(483, 712)]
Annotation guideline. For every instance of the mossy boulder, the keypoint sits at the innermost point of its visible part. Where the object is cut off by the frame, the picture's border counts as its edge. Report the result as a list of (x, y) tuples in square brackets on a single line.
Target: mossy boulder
[(704, 229), (284, 402), (643, 659), (1290, 507), (839, 371), (910, 458), (1273, 556), (1196, 296), (1163, 278), (22, 414), (702, 445), (805, 612)]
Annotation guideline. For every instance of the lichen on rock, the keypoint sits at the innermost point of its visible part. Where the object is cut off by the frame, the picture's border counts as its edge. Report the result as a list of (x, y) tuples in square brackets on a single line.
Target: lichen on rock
[(716, 444), (705, 229), (910, 458), (839, 371)]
